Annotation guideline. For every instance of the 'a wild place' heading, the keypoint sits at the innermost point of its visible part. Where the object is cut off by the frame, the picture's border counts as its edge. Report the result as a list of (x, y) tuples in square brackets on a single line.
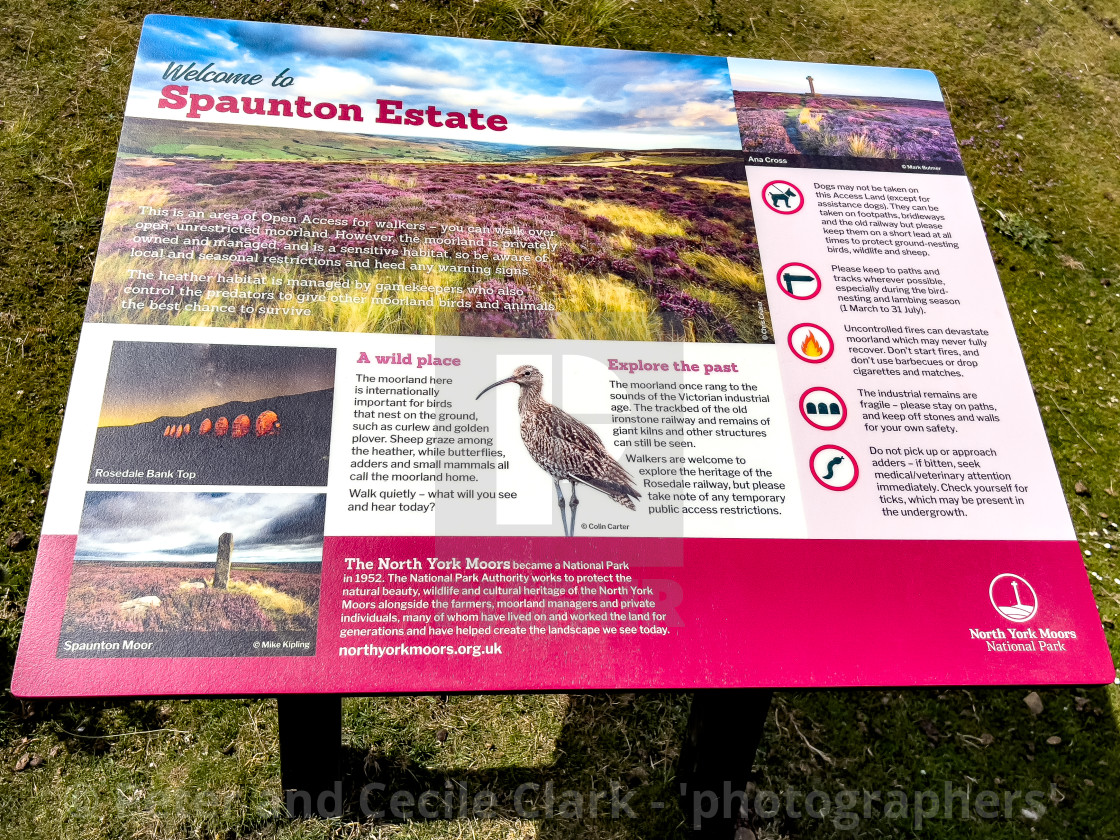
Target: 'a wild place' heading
[(177, 97)]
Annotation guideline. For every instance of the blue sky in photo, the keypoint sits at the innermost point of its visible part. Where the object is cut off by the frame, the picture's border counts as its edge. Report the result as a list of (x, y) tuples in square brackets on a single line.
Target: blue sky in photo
[(551, 95), (833, 79), (153, 527)]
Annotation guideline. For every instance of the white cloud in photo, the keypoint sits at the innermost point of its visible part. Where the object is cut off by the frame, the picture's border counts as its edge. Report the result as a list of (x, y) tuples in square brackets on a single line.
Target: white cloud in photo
[(576, 97), (689, 115), (344, 84), (537, 105), (423, 77), (222, 41), (155, 527)]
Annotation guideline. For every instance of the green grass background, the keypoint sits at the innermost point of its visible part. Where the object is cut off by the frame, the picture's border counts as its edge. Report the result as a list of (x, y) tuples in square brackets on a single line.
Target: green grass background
[(1033, 88)]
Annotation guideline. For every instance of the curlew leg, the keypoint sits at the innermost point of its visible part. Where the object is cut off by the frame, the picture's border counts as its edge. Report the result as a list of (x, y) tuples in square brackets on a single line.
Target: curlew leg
[(574, 503), (560, 502)]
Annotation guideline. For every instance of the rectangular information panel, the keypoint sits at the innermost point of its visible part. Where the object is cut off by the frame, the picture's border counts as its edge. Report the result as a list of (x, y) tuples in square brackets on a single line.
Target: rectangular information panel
[(424, 364)]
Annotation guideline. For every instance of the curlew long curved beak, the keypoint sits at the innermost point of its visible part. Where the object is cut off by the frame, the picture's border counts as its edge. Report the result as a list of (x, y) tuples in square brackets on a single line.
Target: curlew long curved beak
[(495, 385)]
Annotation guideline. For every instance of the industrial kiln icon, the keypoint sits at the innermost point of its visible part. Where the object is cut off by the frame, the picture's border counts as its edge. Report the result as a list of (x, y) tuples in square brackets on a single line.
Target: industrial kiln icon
[(1013, 597)]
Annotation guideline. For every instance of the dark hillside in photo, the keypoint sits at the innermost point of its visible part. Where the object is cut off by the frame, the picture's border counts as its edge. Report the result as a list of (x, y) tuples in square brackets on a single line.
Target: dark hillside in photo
[(294, 454)]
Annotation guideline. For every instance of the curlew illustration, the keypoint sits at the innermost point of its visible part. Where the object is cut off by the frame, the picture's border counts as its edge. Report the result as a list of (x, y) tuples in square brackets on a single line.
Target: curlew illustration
[(565, 448)]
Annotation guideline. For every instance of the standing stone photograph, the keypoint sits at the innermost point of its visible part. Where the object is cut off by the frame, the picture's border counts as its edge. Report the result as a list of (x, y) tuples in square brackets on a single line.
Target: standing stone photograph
[(195, 574)]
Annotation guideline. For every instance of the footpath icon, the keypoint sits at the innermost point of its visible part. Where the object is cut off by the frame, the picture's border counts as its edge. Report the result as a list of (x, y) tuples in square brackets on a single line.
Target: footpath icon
[(833, 467), (799, 281), (823, 408), (1013, 597), (811, 343), (783, 197)]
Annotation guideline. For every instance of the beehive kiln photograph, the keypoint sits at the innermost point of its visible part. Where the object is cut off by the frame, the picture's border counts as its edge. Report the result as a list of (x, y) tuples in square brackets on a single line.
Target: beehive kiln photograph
[(215, 414)]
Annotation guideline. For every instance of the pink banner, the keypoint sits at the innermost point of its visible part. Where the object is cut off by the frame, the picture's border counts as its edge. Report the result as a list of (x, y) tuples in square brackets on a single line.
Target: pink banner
[(683, 614)]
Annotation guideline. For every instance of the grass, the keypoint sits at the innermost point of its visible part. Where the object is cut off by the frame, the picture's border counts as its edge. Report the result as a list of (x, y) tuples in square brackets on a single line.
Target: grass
[(251, 601), (862, 146), (603, 308), (651, 222), (1033, 91), (726, 272), (733, 188), (806, 118), (270, 600), (376, 298)]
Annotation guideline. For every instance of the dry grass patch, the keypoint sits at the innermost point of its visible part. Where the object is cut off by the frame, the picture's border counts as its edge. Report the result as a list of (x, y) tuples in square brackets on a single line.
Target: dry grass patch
[(390, 179), (269, 598), (650, 222), (603, 308), (722, 187), (726, 271), (861, 145), (743, 318)]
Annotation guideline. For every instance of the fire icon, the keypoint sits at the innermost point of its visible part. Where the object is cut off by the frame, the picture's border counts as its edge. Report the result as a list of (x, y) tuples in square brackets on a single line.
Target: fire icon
[(810, 343), (1013, 597)]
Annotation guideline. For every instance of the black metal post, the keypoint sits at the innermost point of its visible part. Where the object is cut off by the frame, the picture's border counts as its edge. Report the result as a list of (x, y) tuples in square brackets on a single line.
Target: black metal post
[(311, 754), (724, 730)]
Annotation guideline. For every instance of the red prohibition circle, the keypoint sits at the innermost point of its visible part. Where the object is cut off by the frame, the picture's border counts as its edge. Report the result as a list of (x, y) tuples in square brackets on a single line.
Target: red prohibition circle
[(839, 399), (817, 277), (855, 467), (825, 357), (800, 195)]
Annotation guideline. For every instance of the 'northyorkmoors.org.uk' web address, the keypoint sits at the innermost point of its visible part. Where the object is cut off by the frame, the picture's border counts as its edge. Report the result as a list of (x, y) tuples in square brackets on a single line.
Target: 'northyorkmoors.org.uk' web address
[(420, 650)]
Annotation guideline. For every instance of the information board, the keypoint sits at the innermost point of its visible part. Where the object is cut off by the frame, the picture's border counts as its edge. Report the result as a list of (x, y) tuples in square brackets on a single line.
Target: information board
[(424, 364)]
